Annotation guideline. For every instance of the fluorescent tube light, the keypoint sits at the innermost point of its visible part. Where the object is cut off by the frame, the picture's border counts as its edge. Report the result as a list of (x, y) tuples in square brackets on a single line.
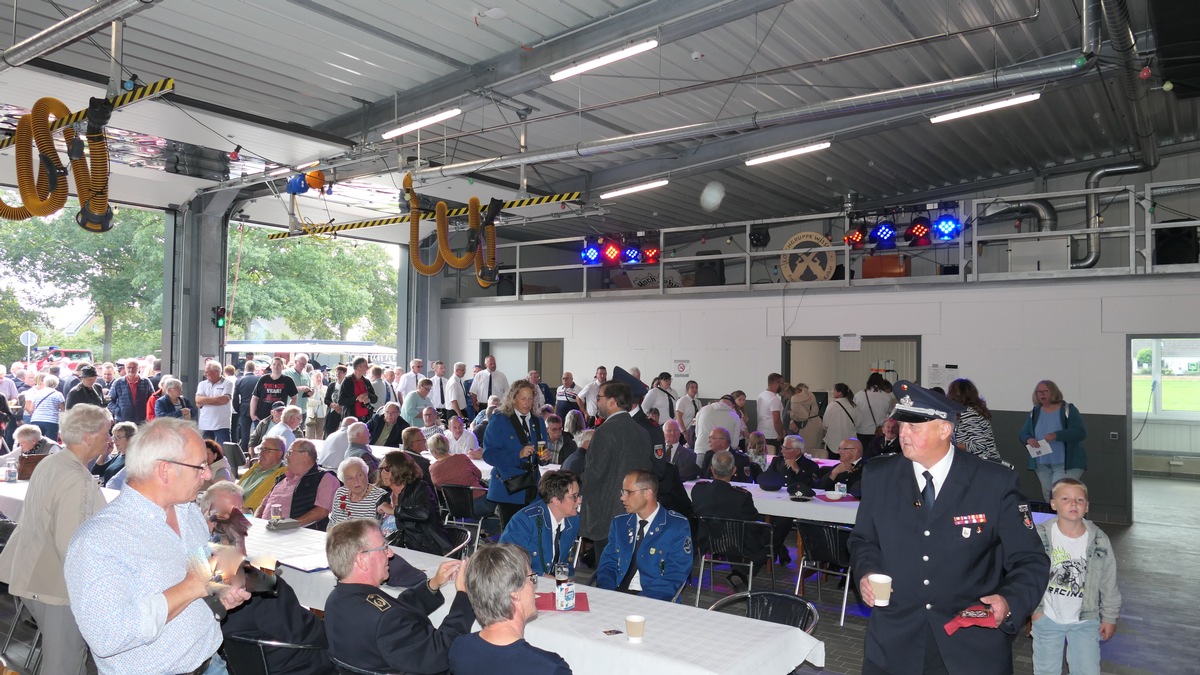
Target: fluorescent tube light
[(635, 188), (604, 60), (413, 126), (308, 165), (280, 171), (987, 107), (787, 153)]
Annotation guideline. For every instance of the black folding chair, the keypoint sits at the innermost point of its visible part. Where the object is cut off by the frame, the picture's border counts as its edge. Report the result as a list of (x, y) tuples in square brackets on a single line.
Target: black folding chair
[(782, 608), (247, 655), (460, 538), (459, 504), (826, 549), (344, 668), (233, 453), (734, 542)]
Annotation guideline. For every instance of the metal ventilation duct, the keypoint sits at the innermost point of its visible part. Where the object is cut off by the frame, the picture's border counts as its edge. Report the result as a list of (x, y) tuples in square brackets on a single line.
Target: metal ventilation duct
[(70, 29)]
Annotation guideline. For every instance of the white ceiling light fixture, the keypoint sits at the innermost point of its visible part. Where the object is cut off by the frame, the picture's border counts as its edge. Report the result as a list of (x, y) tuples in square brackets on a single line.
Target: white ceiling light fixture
[(421, 123), (635, 188), (280, 171), (604, 60), (788, 153), (493, 13), (308, 165), (986, 107)]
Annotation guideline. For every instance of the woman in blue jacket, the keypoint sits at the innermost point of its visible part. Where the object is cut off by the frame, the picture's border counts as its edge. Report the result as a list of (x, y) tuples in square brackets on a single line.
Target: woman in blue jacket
[(510, 446), (1059, 424)]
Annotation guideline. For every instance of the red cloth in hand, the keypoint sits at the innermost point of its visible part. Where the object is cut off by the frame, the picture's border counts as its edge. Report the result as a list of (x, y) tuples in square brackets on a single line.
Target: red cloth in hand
[(975, 615)]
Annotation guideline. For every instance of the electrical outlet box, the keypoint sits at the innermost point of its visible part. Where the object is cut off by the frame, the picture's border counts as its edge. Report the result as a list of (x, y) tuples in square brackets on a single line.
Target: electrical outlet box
[(1112, 435)]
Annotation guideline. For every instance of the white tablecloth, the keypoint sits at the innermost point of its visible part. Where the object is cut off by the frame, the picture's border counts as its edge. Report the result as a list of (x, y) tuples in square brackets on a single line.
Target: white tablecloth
[(675, 634), (12, 498), (778, 503)]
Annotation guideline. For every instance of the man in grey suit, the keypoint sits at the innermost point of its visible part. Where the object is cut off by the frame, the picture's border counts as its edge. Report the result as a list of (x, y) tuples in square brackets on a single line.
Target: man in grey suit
[(678, 453), (620, 445)]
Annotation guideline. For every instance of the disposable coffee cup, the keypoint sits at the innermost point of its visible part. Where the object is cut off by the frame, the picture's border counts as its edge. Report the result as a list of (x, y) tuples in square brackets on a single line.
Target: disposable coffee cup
[(635, 627), (881, 586)]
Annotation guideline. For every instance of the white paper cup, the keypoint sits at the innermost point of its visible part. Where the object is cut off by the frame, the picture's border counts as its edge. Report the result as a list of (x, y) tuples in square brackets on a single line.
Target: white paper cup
[(635, 627), (881, 585)]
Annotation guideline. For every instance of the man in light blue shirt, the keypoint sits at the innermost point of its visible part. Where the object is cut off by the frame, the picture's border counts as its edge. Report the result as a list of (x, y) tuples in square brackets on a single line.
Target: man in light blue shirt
[(137, 572)]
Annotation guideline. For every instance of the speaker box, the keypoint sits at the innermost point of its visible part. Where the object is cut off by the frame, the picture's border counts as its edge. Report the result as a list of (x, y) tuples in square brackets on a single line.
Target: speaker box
[(1176, 246), (710, 273)]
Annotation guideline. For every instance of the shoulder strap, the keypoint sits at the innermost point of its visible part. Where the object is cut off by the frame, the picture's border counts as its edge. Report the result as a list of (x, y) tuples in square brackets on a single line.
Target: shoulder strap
[(867, 395), (848, 416)]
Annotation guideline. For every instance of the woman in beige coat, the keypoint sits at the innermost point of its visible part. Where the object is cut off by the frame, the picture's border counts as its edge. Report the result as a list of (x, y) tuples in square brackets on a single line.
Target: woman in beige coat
[(806, 420), (62, 494)]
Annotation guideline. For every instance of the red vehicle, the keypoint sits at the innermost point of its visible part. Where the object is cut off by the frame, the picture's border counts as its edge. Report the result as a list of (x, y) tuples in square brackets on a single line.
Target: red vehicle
[(70, 358)]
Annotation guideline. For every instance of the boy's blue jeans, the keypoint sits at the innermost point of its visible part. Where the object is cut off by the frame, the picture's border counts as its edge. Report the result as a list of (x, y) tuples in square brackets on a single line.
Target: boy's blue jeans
[(1082, 641)]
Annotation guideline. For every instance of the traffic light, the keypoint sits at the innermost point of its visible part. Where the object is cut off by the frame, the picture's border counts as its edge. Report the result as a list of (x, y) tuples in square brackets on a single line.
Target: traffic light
[(218, 317)]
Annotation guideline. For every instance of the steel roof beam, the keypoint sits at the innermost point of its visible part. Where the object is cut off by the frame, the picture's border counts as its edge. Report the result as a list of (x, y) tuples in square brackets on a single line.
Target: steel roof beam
[(522, 70)]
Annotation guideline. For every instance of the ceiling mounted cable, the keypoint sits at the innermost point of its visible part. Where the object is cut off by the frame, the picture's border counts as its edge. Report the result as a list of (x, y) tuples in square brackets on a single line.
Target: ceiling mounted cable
[(482, 254), (46, 194)]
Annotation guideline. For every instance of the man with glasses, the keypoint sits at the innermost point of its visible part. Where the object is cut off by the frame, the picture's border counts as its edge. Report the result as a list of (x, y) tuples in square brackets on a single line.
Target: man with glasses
[(305, 492), (649, 551), (261, 476), (138, 571), (847, 471), (719, 439), (548, 527), (368, 628), (566, 397)]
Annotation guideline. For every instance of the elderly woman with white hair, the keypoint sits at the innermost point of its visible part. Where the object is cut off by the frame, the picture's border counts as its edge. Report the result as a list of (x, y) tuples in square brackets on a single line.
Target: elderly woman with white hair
[(357, 497), (62, 495), (44, 406), (30, 441), (173, 403)]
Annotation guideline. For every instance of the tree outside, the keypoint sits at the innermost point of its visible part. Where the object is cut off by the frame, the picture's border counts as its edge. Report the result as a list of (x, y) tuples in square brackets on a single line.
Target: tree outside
[(319, 288)]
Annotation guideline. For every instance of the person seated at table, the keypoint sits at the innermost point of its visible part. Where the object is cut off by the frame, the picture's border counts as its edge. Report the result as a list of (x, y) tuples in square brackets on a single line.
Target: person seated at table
[(408, 509), (415, 446), (333, 448), (277, 615), (848, 470), (431, 424), (106, 468), (493, 404), (886, 443), (218, 466), (678, 452), (305, 491), (387, 426), (649, 550), (718, 440), (559, 443), (263, 427), (289, 421), (451, 469), (501, 586), (577, 462), (721, 499), (367, 627), (357, 497), (791, 469), (463, 441), (357, 436), (548, 527), (260, 478), (31, 442)]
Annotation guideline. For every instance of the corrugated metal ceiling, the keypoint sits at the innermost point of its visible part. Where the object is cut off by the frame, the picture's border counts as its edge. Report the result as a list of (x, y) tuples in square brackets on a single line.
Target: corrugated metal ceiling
[(318, 64)]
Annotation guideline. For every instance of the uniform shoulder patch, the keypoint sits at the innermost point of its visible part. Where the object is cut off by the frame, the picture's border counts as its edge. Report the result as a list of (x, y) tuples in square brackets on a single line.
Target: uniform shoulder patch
[(379, 602), (687, 545), (658, 452)]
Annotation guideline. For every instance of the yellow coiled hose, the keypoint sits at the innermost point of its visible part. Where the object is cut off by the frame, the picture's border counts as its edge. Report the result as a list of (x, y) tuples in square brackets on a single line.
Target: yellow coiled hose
[(483, 256), (36, 195)]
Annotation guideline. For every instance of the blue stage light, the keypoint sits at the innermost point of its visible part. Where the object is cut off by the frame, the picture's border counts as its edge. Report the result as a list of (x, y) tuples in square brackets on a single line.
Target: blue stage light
[(632, 254), (884, 235), (946, 227), (590, 255)]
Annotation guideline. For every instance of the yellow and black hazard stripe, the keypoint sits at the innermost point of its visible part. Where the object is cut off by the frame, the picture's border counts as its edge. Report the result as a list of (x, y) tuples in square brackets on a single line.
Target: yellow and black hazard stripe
[(378, 222), (152, 90)]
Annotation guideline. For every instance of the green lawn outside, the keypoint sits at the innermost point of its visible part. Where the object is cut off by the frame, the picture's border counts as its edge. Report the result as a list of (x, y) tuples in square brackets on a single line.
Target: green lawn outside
[(1178, 393)]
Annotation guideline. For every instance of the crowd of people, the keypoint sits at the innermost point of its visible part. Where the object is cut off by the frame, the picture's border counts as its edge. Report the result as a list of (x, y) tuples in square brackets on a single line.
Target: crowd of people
[(625, 445)]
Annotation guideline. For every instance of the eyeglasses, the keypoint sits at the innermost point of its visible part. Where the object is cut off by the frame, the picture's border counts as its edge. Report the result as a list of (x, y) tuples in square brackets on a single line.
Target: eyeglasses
[(376, 549), (532, 577), (199, 467), (264, 448), (572, 496), (623, 491)]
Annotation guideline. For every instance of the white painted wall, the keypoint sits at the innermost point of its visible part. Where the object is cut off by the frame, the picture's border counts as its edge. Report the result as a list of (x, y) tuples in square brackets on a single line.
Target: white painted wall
[(1005, 336)]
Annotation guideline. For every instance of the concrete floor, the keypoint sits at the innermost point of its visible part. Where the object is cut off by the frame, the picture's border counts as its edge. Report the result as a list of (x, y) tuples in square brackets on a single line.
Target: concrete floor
[(1156, 634)]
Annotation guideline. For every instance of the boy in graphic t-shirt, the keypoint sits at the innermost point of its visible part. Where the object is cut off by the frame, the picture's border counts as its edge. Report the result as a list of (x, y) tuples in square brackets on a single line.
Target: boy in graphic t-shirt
[(1082, 602)]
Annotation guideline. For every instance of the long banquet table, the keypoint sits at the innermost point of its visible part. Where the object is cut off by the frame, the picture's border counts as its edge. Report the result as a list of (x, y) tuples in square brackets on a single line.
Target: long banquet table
[(674, 633), (12, 498)]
